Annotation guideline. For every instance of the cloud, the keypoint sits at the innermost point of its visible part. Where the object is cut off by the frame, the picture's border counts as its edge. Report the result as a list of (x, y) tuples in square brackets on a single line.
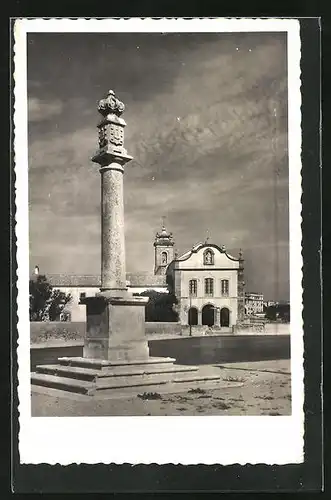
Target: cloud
[(39, 110), (201, 129)]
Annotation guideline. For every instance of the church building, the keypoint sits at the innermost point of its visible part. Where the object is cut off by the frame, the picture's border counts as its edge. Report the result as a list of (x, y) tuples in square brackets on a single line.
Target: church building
[(207, 281), (208, 284)]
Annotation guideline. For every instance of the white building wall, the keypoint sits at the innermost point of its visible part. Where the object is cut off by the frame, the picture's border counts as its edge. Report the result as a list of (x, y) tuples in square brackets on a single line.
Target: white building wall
[(217, 300), (78, 311)]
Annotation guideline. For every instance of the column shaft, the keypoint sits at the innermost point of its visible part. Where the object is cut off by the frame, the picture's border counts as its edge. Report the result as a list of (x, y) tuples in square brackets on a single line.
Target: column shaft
[(112, 228)]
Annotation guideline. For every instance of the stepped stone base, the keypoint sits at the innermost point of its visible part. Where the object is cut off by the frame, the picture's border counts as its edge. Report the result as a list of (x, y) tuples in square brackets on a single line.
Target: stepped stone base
[(96, 376)]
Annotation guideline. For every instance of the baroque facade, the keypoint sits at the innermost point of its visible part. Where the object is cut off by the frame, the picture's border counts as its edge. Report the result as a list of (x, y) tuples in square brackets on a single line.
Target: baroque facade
[(207, 282)]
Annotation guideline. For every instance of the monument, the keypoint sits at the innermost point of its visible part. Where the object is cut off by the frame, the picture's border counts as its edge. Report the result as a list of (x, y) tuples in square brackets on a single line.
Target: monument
[(115, 326), (115, 353)]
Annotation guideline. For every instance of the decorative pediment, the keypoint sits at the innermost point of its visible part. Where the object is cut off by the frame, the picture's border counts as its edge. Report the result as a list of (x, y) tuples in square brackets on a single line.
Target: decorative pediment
[(111, 105)]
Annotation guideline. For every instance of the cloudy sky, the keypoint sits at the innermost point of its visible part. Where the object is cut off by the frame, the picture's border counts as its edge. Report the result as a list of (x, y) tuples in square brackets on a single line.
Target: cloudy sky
[(207, 125)]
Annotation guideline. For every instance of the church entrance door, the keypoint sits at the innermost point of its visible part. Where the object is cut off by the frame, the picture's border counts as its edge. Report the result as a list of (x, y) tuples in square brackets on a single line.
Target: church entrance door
[(193, 316), (225, 317), (208, 315)]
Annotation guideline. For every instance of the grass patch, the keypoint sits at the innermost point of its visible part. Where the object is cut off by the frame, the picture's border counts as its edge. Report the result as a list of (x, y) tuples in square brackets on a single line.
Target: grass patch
[(233, 379), (197, 391), (267, 398), (182, 398), (221, 406), (274, 414), (150, 395)]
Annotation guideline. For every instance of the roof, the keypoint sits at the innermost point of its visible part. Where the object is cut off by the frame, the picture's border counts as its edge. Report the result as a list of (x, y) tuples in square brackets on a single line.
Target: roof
[(146, 279), (198, 247), (92, 280), (74, 280)]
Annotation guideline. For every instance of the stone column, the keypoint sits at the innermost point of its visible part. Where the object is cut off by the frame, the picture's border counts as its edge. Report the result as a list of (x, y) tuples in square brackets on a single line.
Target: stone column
[(115, 323), (217, 316), (112, 228)]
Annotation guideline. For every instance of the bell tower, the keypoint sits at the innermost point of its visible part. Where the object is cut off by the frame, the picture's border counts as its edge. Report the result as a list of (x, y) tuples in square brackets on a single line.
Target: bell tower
[(163, 250)]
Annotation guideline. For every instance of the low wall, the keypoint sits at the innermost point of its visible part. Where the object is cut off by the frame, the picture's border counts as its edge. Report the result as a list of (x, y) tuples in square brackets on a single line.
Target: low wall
[(71, 331), (162, 328), (222, 348), (42, 331), (277, 328)]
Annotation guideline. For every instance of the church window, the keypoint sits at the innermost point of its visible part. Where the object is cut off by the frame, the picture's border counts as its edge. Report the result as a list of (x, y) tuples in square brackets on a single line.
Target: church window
[(208, 257), (164, 258), (193, 286), (225, 287), (82, 295), (209, 286)]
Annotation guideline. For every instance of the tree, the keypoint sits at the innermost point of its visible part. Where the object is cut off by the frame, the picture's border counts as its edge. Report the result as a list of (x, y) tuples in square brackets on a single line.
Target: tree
[(271, 313), (46, 303), (160, 306)]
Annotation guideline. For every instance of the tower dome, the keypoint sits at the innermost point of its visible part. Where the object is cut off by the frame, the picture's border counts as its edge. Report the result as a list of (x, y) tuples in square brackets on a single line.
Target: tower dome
[(163, 237), (164, 250)]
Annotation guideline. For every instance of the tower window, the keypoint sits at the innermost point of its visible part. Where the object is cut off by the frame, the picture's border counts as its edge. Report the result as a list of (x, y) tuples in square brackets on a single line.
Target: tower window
[(208, 257), (225, 287), (164, 258), (193, 286), (209, 286), (82, 295)]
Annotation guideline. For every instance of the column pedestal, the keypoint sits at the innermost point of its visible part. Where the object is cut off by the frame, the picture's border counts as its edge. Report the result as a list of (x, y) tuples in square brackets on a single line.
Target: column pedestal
[(115, 327)]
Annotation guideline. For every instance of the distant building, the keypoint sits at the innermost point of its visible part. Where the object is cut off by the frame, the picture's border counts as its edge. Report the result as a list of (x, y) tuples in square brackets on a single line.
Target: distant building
[(254, 304), (207, 281)]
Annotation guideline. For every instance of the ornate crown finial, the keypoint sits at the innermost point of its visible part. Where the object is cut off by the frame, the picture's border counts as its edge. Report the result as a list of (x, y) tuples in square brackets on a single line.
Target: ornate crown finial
[(111, 104), (240, 253)]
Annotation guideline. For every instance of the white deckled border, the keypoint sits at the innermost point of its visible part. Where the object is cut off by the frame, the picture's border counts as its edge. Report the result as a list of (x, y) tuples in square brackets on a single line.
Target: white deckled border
[(178, 440)]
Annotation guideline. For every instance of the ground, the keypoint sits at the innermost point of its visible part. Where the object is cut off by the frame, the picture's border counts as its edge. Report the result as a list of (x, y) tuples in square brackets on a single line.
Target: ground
[(258, 388)]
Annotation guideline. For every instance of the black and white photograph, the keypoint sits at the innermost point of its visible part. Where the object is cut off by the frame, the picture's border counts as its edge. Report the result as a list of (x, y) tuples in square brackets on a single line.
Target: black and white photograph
[(159, 240)]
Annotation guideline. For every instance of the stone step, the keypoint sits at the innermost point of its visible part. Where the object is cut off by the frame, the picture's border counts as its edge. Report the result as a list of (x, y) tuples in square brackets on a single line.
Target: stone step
[(197, 378), (63, 383), (155, 380), (114, 383), (101, 364), (164, 388), (74, 372), (92, 374)]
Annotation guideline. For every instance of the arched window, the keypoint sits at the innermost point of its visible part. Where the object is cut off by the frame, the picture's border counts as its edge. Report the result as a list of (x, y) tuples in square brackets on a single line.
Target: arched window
[(208, 257), (225, 288), (209, 287), (164, 258), (193, 288)]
